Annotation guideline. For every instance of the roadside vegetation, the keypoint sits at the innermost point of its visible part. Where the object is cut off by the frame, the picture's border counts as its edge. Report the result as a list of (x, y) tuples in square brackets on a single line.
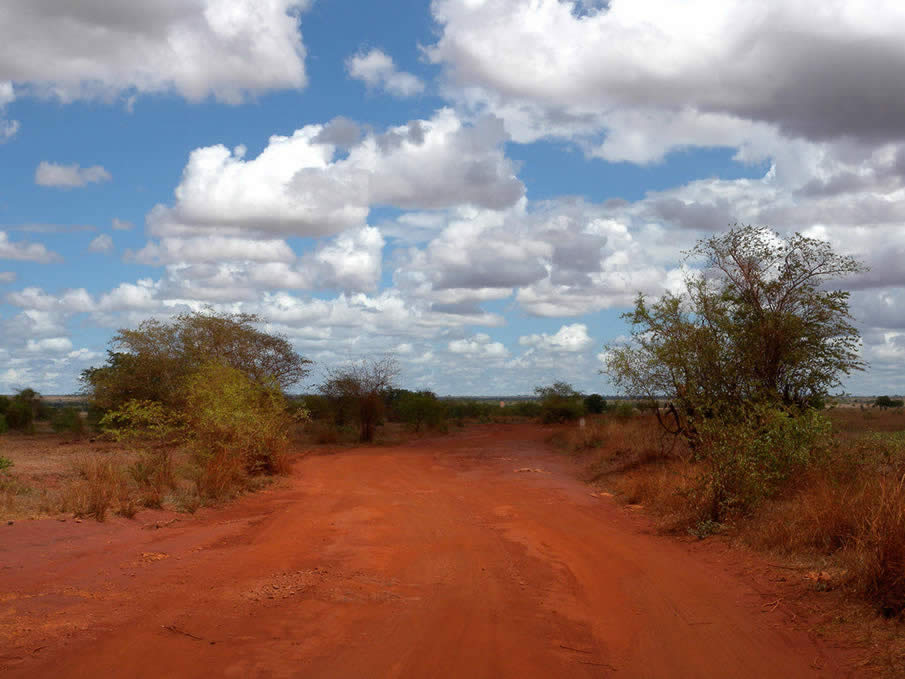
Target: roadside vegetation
[(736, 431), (182, 414)]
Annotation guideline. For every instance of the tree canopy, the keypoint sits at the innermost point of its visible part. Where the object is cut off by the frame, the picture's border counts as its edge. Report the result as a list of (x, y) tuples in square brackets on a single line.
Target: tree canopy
[(152, 361), (755, 324), (361, 388)]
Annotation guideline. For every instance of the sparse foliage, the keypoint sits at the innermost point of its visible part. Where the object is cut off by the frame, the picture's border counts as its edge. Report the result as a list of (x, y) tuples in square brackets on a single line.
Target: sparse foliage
[(360, 388), (757, 326), (742, 355)]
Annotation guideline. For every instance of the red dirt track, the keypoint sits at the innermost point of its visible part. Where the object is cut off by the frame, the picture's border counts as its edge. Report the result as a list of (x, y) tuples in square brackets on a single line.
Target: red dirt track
[(431, 559)]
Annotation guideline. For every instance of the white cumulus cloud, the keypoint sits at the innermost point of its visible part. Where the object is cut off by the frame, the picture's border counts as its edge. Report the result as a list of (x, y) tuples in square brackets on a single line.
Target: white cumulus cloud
[(196, 48), (377, 70), (23, 250), (569, 338)]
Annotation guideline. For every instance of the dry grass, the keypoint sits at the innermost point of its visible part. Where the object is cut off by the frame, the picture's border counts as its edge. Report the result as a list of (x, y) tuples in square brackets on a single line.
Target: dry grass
[(845, 515), (53, 474)]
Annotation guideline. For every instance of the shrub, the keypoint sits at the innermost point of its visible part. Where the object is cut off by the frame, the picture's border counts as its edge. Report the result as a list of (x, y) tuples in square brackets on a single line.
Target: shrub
[(3, 426), (747, 461), (68, 420), (24, 409), (152, 362), (887, 402), (234, 427), (5, 464), (525, 409), (138, 421), (419, 409), (559, 403), (359, 390), (594, 404)]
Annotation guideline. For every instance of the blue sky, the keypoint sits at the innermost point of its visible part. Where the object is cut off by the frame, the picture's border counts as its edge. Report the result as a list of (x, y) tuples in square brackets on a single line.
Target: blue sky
[(479, 187)]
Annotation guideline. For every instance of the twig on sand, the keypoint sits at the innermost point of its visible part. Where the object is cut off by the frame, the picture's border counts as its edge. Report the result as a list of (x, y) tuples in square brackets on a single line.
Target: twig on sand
[(577, 650), (598, 664), (176, 630)]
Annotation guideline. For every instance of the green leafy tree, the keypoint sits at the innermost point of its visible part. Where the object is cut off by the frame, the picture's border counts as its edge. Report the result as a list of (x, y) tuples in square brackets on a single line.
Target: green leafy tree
[(418, 409), (153, 361), (888, 402), (741, 356), (24, 409), (560, 402), (594, 404), (757, 325)]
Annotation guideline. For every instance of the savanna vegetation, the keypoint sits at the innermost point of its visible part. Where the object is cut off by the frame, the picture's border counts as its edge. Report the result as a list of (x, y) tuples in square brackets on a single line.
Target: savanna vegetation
[(184, 412), (737, 431)]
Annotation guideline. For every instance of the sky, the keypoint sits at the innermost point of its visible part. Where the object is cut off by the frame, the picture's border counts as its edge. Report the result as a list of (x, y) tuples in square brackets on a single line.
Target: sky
[(479, 187)]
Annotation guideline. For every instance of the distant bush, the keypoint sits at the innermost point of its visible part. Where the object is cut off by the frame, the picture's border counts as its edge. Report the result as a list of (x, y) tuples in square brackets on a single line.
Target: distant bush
[(359, 391), (560, 403), (623, 410), (24, 409), (594, 404), (3, 426), (887, 402), (68, 420), (471, 409), (418, 409), (525, 409)]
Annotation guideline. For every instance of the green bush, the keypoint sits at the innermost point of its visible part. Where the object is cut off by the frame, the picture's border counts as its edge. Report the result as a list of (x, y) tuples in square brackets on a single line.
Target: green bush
[(419, 409), (560, 403), (525, 409), (462, 409), (5, 464), (235, 427), (747, 461), (887, 402), (594, 404), (68, 420), (139, 421), (3, 426)]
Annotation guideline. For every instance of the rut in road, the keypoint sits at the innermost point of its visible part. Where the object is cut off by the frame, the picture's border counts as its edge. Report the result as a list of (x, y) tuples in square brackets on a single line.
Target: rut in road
[(474, 555)]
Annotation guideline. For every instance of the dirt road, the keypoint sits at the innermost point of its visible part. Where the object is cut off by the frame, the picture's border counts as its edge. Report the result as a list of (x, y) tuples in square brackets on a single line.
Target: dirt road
[(433, 559)]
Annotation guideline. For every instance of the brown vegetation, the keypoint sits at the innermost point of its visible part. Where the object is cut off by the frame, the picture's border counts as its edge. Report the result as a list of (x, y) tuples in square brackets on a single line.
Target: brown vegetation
[(843, 516)]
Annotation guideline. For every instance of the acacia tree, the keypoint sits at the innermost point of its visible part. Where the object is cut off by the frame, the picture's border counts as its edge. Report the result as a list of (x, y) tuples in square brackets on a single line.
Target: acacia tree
[(755, 325), (754, 337), (361, 387), (152, 362)]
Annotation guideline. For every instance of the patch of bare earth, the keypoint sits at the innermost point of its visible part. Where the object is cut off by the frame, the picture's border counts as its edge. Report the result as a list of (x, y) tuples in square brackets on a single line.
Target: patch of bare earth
[(479, 554)]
